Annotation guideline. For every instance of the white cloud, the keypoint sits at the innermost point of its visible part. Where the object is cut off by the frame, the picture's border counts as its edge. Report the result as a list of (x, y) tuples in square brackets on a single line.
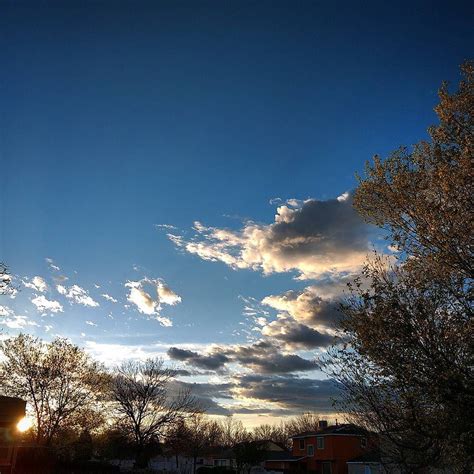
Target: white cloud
[(11, 320), (52, 265), (17, 322), (145, 303), (36, 283), (141, 299), (167, 295), (165, 226), (112, 354), (109, 298), (314, 238), (77, 295), (91, 323), (44, 305), (5, 311)]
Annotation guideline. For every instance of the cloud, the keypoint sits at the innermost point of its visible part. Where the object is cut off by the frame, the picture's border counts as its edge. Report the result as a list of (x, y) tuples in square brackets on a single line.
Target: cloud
[(262, 357), (52, 265), (167, 295), (109, 298), (314, 238), (17, 322), (289, 392), (165, 226), (113, 353), (206, 395), (265, 357), (145, 303), (11, 320), (91, 323), (296, 335), (36, 283), (307, 306), (141, 299), (44, 305), (78, 295), (208, 362)]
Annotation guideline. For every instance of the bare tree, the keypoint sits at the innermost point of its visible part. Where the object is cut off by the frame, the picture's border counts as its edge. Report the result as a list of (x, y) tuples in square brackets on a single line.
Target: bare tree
[(57, 379), (233, 432), (266, 432), (304, 422), (198, 434), (144, 403)]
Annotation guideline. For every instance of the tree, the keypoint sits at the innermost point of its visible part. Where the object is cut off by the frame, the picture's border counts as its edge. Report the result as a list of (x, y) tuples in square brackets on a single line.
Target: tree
[(276, 433), (249, 454), (57, 379), (5, 279), (407, 363), (197, 434), (144, 404), (304, 422), (233, 432)]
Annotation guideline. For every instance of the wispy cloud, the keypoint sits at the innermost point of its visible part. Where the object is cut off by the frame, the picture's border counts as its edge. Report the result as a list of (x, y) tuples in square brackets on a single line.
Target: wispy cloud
[(76, 294), (109, 298)]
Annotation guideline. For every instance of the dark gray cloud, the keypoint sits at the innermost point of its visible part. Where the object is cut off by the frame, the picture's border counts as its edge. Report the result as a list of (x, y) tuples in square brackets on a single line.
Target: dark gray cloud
[(266, 358), (280, 395), (212, 361), (289, 392), (208, 394), (263, 357), (296, 335)]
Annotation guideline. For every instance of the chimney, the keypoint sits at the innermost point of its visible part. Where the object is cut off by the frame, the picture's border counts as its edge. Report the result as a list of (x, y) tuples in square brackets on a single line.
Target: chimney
[(322, 424)]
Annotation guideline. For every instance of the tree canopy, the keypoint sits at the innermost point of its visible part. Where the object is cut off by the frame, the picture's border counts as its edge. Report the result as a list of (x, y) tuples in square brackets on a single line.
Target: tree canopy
[(407, 363)]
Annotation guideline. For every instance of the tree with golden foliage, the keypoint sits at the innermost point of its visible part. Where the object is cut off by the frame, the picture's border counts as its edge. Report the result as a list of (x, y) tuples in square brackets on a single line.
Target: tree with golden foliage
[(408, 360)]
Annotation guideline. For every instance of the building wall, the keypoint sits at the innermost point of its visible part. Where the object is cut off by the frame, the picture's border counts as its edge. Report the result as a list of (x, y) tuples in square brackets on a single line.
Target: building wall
[(338, 449)]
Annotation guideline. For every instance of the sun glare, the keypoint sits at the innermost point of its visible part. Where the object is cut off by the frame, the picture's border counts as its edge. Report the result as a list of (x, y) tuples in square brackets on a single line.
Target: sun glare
[(24, 425)]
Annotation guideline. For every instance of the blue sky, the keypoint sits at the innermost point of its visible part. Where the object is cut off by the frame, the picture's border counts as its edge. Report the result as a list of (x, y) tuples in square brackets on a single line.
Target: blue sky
[(118, 118)]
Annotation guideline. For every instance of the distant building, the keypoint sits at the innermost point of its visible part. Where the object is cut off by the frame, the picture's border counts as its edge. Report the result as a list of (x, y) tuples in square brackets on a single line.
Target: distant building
[(327, 450)]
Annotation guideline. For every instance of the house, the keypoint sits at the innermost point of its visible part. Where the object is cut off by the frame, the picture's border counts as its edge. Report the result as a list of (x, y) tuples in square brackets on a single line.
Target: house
[(282, 462), (327, 450), (368, 463)]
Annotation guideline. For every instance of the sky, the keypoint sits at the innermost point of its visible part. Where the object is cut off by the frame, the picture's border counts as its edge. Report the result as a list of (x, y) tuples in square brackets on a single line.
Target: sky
[(176, 178)]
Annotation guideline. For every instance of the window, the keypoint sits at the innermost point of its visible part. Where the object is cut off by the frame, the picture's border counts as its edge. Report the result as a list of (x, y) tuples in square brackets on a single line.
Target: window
[(326, 468), (310, 450), (301, 443), (320, 442), (363, 442), (367, 469)]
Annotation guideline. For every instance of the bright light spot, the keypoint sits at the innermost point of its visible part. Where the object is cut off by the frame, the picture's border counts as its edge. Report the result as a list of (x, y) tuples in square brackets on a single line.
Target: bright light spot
[(24, 425)]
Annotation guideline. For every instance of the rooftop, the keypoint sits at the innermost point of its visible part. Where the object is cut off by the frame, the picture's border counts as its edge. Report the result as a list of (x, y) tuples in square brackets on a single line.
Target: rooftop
[(345, 429)]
